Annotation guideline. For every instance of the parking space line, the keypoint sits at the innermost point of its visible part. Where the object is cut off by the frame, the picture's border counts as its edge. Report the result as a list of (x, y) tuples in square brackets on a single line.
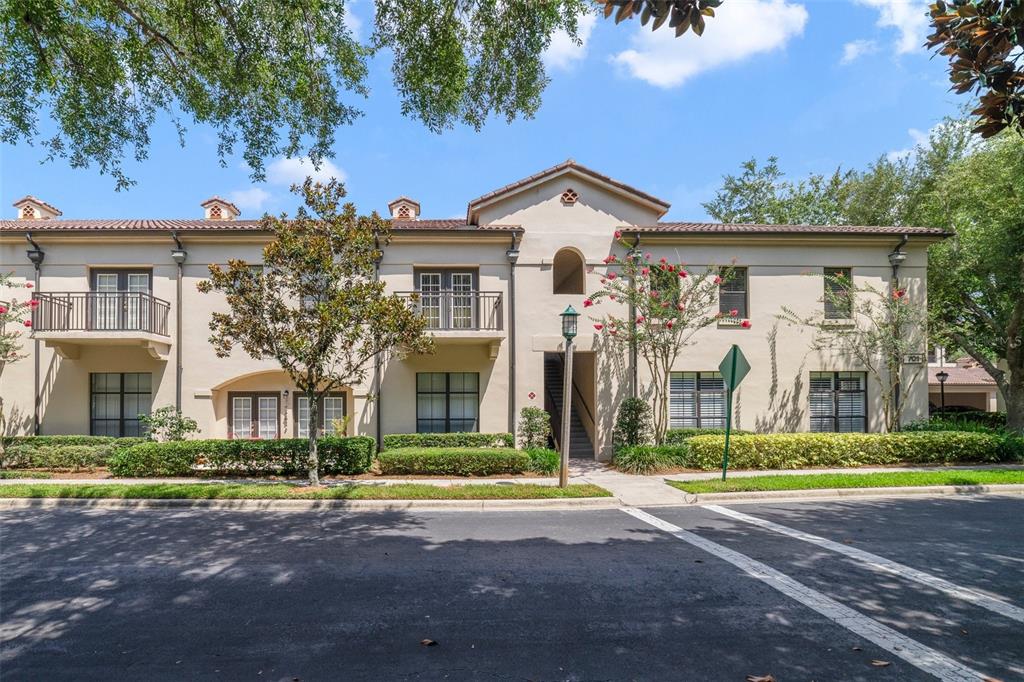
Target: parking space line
[(920, 656), (882, 564)]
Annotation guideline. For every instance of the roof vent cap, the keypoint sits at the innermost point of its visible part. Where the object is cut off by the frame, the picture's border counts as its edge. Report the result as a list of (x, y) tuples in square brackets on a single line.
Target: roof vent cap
[(404, 208), (220, 209), (31, 208)]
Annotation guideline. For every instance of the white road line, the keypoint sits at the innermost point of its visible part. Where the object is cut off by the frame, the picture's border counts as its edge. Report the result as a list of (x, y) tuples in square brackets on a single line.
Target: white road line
[(882, 564), (912, 651)]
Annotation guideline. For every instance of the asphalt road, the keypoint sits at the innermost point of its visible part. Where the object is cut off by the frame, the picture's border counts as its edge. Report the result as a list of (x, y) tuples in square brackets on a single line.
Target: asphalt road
[(537, 595)]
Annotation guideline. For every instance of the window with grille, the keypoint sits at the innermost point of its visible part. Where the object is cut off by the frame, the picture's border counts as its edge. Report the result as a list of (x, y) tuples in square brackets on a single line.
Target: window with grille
[(447, 402), (838, 297), (116, 399), (696, 400), (254, 415), (331, 415), (838, 402), (732, 294)]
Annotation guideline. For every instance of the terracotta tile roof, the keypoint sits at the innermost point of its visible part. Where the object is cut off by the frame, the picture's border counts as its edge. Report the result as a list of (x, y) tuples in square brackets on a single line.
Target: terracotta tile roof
[(199, 225), (961, 376), (449, 224), (217, 199), (751, 228), (569, 163)]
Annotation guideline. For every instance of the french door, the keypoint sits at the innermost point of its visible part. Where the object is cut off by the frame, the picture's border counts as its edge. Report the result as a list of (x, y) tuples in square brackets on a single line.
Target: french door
[(448, 299), (121, 299)]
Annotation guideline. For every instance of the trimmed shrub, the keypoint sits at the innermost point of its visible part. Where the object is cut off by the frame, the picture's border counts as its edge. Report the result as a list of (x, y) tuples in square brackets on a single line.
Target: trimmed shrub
[(453, 461), (993, 420), (679, 436), (633, 425), (393, 441), (648, 459), (534, 428), (543, 460), (352, 455), (62, 452), (804, 450)]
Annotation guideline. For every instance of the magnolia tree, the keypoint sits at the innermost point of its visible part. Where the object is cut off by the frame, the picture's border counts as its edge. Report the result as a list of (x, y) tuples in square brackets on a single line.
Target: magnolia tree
[(315, 305), (13, 319), (875, 328), (665, 305)]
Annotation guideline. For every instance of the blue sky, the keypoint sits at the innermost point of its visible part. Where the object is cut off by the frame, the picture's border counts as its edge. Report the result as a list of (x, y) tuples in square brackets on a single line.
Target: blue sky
[(818, 83)]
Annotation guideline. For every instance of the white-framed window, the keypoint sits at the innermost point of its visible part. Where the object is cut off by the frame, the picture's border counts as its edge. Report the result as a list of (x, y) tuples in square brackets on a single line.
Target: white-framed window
[(254, 415), (331, 415), (696, 400)]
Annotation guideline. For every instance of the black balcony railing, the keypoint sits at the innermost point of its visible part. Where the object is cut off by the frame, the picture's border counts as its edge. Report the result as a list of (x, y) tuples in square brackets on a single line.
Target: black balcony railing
[(459, 310), (99, 311)]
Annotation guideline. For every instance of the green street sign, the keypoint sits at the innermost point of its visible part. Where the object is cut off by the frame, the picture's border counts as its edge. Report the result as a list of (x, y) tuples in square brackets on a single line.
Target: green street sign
[(733, 368)]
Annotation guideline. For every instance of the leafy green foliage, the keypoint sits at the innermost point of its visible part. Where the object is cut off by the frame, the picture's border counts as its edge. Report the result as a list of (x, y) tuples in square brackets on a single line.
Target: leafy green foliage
[(270, 78), (543, 460), (984, 42), (648, 459), (167, 423), (681, 15), (448, 440), (62, 453), (452, 461), (633, 424), (889, 479), (534, 428), (315, 306), (353, 455), (679, 436)]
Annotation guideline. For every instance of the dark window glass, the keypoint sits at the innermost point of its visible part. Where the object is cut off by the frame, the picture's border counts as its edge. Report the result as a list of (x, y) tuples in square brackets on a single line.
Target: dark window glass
[(696, 399), (116, 399), (838, 402), (447, 402), (838, 301), (732, 295)]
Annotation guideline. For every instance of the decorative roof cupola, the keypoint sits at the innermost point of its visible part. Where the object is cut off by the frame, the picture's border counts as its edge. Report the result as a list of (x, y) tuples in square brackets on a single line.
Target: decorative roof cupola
[(220, 209), (31, 208), (404, 208)]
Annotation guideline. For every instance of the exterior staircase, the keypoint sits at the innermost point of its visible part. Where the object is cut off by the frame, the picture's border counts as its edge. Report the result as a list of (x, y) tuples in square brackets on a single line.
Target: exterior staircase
[(579, 440)]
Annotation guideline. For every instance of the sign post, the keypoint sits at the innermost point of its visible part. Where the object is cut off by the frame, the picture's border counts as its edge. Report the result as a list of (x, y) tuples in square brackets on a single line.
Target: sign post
[(734, 367)]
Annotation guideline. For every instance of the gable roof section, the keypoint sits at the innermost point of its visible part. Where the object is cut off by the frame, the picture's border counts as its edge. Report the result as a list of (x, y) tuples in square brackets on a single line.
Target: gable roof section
[(751, 228), (568, 166), (28, 198)]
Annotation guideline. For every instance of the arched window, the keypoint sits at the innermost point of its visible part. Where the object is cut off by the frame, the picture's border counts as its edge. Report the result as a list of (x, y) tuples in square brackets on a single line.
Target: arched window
[(567, 272)]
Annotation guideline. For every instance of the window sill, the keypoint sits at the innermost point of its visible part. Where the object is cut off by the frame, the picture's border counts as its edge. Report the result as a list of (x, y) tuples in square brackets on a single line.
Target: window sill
[(731, 323), (839, 322)]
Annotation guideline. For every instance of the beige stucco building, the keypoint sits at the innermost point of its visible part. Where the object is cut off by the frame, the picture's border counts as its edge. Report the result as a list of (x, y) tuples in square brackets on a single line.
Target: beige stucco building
[(120, 327)]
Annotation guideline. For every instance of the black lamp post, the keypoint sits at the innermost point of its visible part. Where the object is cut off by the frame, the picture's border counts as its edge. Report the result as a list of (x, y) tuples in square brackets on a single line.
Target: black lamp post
[(569, 318), (942, 376)]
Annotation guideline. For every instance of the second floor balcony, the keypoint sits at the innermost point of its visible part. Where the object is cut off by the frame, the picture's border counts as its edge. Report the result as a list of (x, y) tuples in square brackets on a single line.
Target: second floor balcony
[(67, 320), (460, 314)]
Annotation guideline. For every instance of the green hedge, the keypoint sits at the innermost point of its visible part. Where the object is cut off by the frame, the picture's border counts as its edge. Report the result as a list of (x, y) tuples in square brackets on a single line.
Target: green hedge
[(543, 460), (352, 455), (804, 450), (453, 461), (679, 436), (393, 441), (62, 452)]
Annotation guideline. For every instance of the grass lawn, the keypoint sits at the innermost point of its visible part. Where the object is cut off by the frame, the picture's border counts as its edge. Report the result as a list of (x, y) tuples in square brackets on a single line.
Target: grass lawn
[(283, 491), (895, 479), (7, 473)]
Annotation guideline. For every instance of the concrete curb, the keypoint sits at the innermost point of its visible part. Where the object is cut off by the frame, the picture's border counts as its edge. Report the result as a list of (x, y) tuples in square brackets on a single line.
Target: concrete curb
[(314, 505), (832, 493)]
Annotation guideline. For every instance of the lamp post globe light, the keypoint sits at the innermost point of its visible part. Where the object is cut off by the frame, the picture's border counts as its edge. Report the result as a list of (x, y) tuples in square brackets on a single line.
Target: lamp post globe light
[(942, 376), (569, 318)]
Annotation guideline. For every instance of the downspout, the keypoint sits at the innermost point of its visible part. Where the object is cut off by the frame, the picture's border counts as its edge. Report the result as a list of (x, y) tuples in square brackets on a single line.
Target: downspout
[(634, 251), (513, 256), (36, 255), (179, 255), (896, 259), (378, 367)]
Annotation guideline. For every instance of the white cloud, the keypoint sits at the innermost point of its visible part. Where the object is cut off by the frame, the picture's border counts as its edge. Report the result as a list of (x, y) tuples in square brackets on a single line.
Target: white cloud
[(352, 22), (920, 139), (908, 17), (563, 53), (738, 31), (251, 199), (856, 49), (294, 171)]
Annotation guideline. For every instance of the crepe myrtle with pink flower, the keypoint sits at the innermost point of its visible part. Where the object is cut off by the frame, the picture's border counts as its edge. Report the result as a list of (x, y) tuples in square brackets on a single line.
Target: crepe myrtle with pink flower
[(14, 319), (660, 306)]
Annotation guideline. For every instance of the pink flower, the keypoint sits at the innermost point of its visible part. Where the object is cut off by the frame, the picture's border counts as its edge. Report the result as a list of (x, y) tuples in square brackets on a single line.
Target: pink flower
[(612, 275), (612, 332), (27, 323), (717, 280), (3, 309), (669, 324), (663, 260), (664, 304), (33, 303), (639, 319), (671, 268), (733, 312), (29, 285), (899, 293), (682, 273), (618, 234), (598, 326), (587, 303), (612, 297), (745, 324), (604, 281), (680, 306), (647, 255), (655, 294), (645, 271)]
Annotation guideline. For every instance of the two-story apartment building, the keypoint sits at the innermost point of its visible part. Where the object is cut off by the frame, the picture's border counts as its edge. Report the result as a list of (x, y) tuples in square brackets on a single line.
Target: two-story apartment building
[(120, 328)]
